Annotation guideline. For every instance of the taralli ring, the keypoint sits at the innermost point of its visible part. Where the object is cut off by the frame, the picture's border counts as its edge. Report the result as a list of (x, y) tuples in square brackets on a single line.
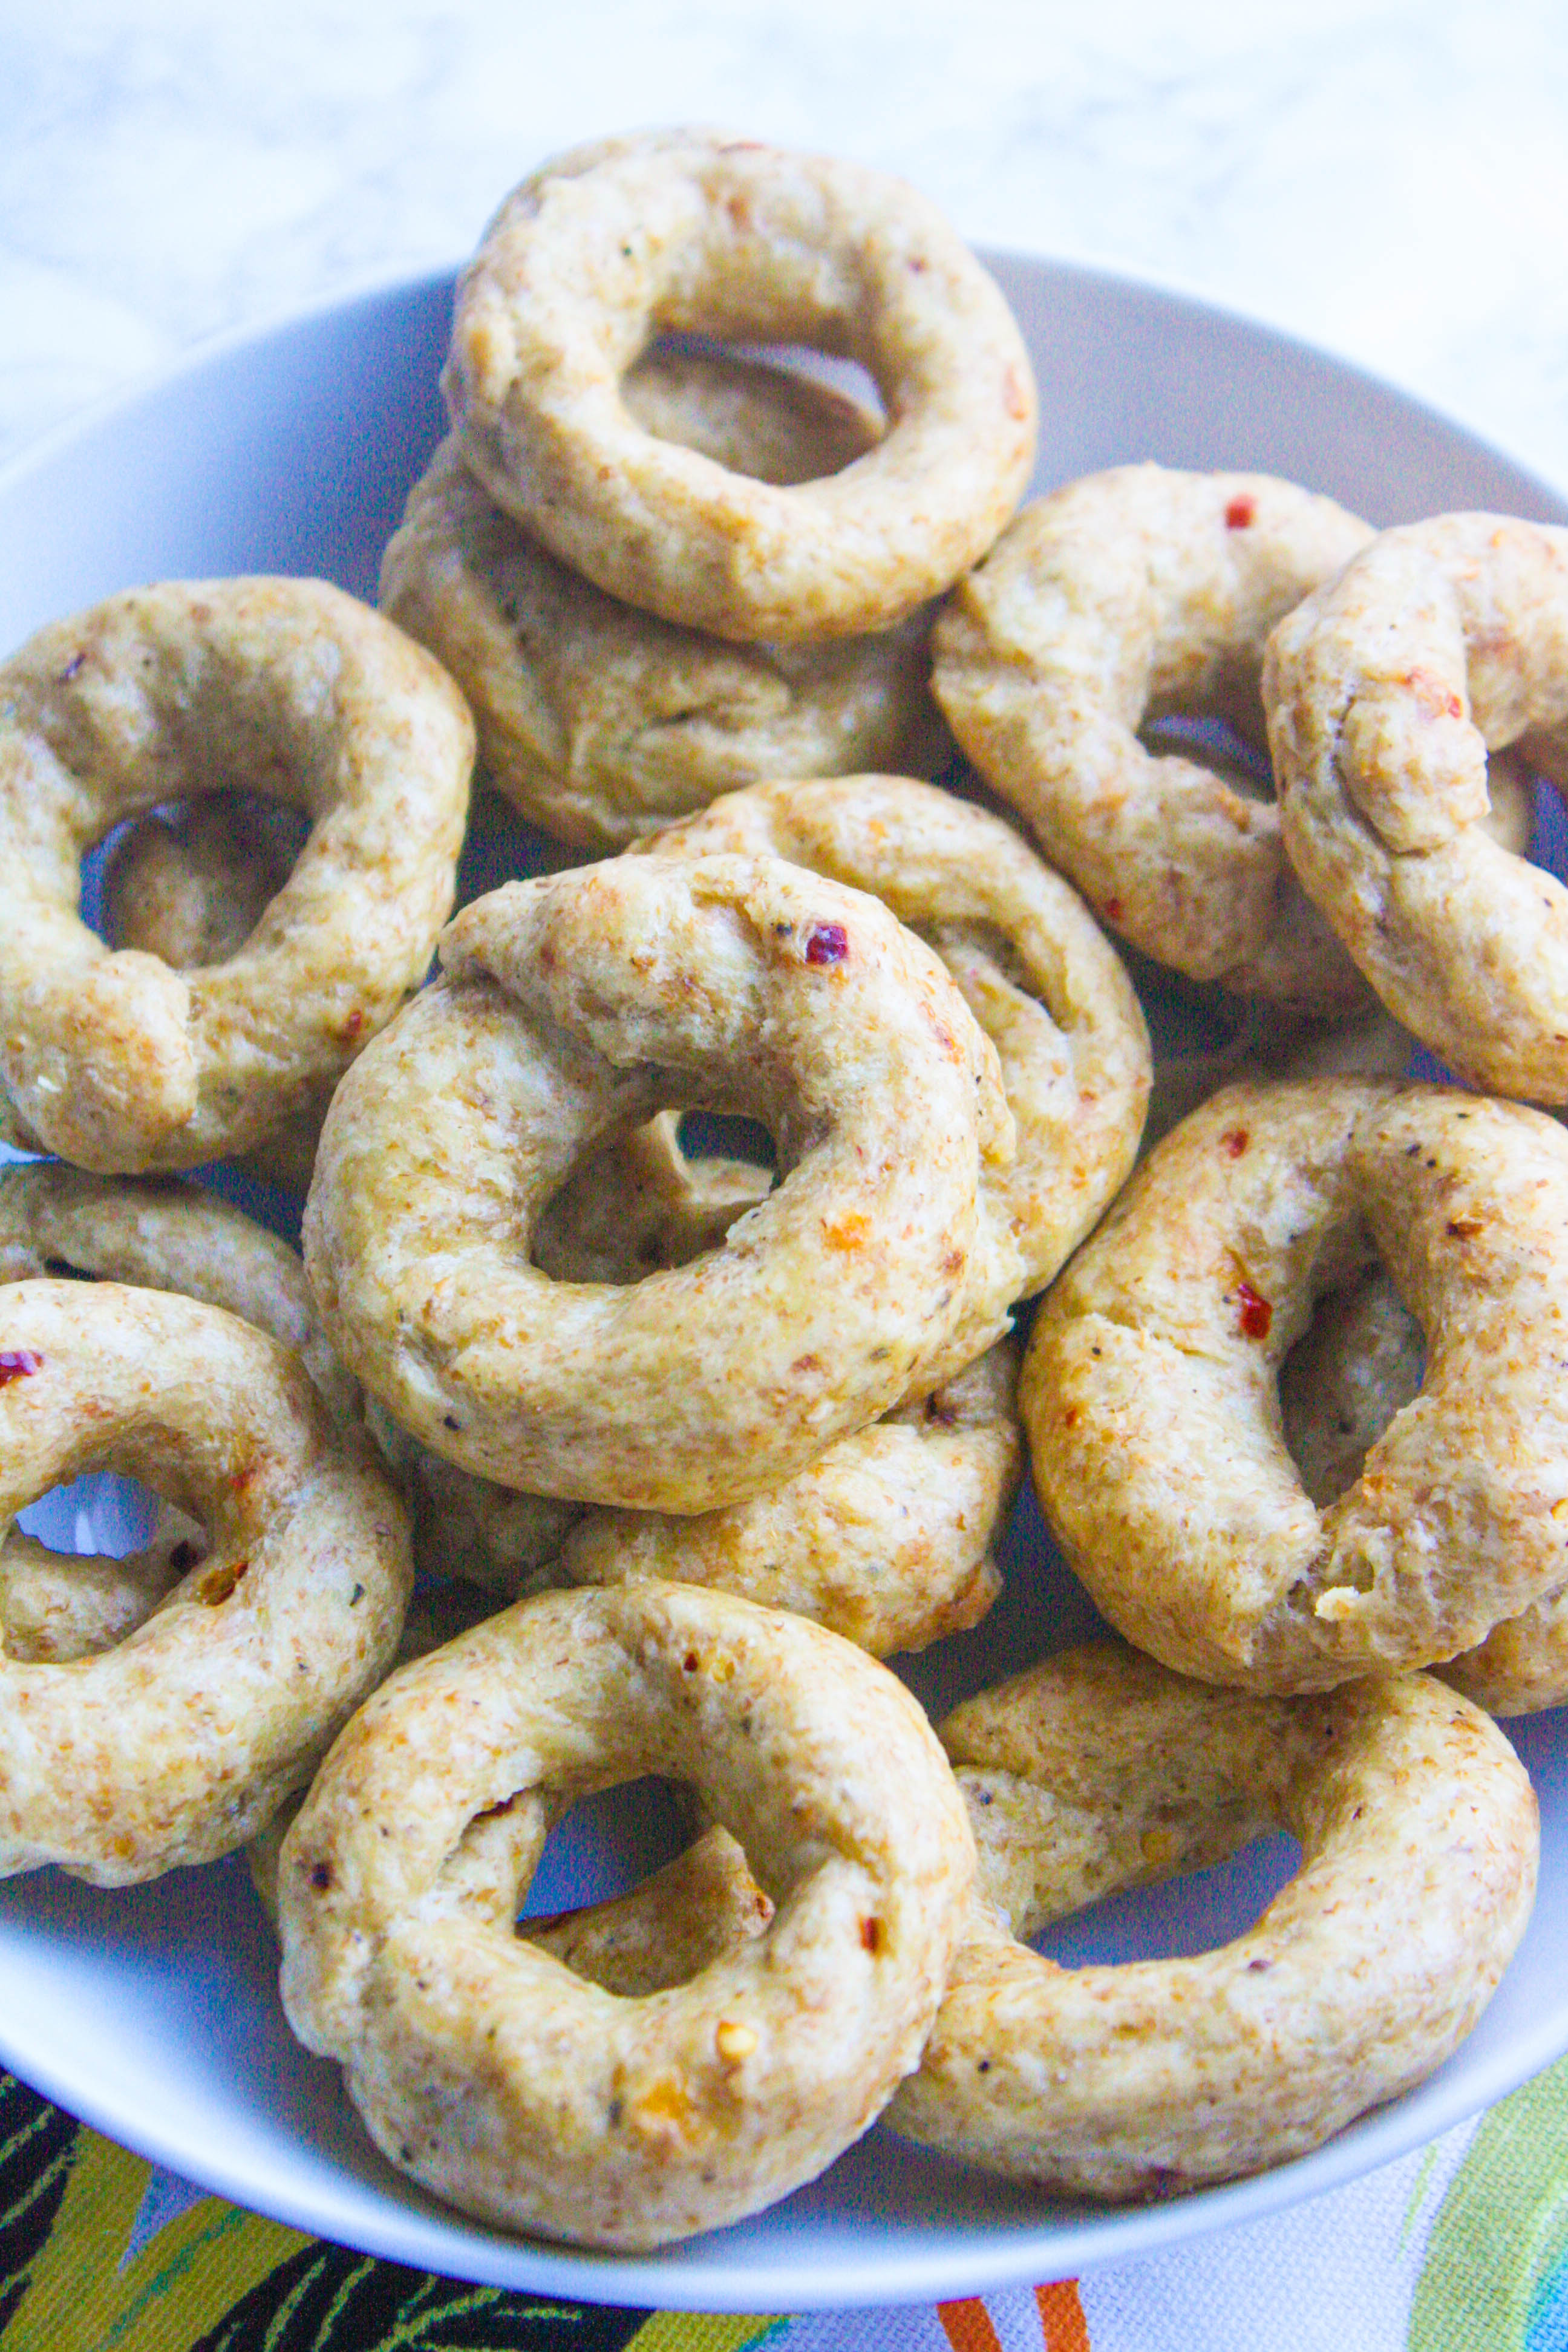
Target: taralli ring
[(1100, 1771), (639, 1206), (176, 1746), (526, 2095), (578, 1005), (1443, 641), (161, 1234), (599, 721), (1150, 1387), (286, 687), (1033, 967), (1359, 1364), (190, 886), (605, 249), (1123, 601), (164, 1236), (885, 1538)]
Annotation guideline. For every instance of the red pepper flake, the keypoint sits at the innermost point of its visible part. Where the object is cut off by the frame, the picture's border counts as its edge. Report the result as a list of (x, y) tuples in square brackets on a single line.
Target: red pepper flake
[(352, 1026), (1233, 1142), (1114, 910), (1240, 512), (1465, 1229), (871, 1934), (826, 943), (1257, 1313), (1434, 697), (18, 1364), (1070, 1416)]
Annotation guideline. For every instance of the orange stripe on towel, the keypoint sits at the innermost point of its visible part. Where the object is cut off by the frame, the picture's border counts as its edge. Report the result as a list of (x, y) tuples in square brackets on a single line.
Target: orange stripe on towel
[(968, 2327), (1062, 2322)]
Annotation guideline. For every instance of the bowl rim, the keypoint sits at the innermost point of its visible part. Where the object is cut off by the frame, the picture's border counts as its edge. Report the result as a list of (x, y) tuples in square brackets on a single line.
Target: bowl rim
[(408, 2228)]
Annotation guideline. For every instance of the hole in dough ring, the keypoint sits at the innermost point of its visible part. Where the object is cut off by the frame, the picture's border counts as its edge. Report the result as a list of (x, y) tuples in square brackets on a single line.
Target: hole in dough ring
[(174, 1746), (1360, 1362), (1119, 600), (1151, 1398), (160, 1235), (641, 1204), (885, 1538), (520, 2092), (1098, 1771), (689, 232), (1035, 972), (287, 688), (577, 1005), (1441, 642)]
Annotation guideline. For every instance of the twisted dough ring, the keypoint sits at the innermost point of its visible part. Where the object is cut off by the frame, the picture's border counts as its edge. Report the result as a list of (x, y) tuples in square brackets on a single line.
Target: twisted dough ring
[(1150, 1400), (164, 1236), (1386, 691), (176, 1746), (1359, 1364), (1117, 602), (1100, 1771), (283, 686), (605, 249), (159, 1235), (885, 1538), (1035, 970), (1265, 1043), (530, 2096), (190, 884), (577, 1005), (638, 1206), (600, 722)]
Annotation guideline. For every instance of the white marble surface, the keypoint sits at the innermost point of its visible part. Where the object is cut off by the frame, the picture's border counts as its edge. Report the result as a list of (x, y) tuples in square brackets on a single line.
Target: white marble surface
[(1388, 178)]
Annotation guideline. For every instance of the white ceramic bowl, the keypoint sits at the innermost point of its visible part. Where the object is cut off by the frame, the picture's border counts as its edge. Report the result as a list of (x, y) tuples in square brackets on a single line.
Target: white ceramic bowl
[(153, 2012)]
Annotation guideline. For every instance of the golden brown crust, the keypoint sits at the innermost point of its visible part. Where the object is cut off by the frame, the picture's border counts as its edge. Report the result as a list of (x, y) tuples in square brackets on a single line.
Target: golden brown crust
[(886, 1538), (1098, 1769), (176, 1746), (580, 1003), (1035, 970), (160, 1233), (190, 884), (600, 722), (1150, 1391), (1341, 1386), (1116, 601), (638, 1206), (1386, 691), (284, 686), (689, 231), (523, 2093)]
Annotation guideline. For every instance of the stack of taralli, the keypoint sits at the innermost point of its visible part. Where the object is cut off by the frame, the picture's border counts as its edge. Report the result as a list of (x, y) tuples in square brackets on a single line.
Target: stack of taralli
[(682, 1444)]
